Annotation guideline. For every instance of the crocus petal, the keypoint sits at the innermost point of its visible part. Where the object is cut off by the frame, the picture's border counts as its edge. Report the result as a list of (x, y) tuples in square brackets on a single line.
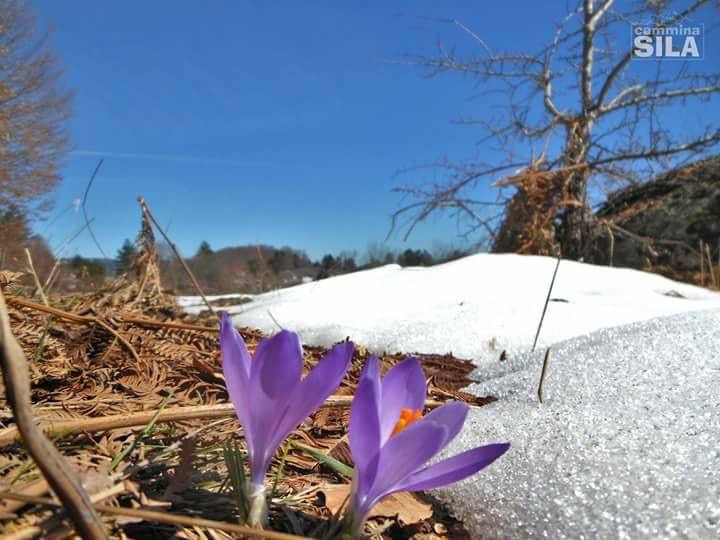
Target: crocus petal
[(404, 454), (314, 389), (274, 375), (403, 387), (232, 343), (453, 469), (364, 431), (452, 416), (278, 364), (236, 369)]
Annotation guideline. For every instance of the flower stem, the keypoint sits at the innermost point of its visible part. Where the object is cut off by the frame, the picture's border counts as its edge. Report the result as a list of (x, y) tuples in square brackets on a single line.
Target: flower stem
[(258, 505), (350, 526)]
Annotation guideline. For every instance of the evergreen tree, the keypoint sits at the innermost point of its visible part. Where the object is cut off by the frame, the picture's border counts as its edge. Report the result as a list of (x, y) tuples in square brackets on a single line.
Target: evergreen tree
[(125, 257), (327, 265), (204, 250), (415, 257)]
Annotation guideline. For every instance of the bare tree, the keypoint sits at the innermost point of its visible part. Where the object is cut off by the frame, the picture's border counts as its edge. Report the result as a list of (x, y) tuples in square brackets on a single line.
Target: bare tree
[(33, 112), (582, 113)]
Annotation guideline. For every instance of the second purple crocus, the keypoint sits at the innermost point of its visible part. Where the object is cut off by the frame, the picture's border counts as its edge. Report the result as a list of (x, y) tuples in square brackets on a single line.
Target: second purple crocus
[(391, 441), (270, 396)]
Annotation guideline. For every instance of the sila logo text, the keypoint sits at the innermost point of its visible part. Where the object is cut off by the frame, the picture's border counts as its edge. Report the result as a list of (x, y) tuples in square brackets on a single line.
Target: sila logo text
[(667, 41)]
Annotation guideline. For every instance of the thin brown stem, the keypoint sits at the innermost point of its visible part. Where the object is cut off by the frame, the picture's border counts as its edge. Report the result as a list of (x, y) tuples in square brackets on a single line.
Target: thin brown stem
[(547, 301), (83, 205), (173, 247)]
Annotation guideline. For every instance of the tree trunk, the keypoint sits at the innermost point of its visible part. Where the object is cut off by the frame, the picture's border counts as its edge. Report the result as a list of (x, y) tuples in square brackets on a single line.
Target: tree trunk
[(573, 230)]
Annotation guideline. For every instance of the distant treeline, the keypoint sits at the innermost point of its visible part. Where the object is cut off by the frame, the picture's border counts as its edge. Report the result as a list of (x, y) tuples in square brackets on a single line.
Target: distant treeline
[(250, 268), (259, 268)]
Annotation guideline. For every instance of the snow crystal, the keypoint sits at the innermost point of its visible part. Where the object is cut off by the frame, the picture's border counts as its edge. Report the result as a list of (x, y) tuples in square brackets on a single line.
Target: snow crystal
[(625, 445)]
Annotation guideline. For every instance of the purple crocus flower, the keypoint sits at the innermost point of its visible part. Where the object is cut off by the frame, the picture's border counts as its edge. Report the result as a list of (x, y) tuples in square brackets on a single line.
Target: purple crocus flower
[(270, 397), (391, 442)]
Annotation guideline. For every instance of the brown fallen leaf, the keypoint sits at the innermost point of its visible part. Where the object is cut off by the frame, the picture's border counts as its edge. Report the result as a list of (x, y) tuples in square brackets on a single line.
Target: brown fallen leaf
[(405, 506), (182, 479)]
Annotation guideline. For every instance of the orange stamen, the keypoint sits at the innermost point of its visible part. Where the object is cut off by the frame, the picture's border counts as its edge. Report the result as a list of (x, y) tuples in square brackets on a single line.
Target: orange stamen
[(407, 417)]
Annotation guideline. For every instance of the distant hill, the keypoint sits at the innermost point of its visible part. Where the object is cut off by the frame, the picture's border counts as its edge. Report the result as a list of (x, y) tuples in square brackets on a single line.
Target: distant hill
[(248, 268)]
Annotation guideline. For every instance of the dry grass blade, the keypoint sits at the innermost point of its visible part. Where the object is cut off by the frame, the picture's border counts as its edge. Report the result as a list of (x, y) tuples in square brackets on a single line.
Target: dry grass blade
[(545, 306), (38, 285), (172, 519), (711, 269), (542, 375)]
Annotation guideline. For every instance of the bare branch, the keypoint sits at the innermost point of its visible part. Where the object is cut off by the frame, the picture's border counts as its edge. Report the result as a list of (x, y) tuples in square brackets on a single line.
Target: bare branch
[(474, 36), (655, 153), (670, 94), (600, 13), (617, 69)]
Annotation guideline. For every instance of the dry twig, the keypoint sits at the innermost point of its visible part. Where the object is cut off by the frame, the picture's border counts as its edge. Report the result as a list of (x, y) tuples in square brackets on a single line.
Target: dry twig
[(141, 419), (173, 519)]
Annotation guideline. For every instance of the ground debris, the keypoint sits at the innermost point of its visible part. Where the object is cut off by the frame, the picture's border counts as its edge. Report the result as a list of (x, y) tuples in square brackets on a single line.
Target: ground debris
[(93, 359)]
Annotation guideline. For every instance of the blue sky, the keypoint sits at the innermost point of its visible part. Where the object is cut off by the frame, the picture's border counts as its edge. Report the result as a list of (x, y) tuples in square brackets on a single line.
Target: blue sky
[(266, 122)]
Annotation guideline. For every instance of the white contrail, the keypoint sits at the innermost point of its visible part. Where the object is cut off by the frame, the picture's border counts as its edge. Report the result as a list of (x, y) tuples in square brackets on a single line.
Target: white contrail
[(165, 157)]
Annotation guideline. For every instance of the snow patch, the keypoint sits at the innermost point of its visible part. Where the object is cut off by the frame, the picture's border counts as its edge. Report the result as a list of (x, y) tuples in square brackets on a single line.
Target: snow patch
[(474, 307)]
